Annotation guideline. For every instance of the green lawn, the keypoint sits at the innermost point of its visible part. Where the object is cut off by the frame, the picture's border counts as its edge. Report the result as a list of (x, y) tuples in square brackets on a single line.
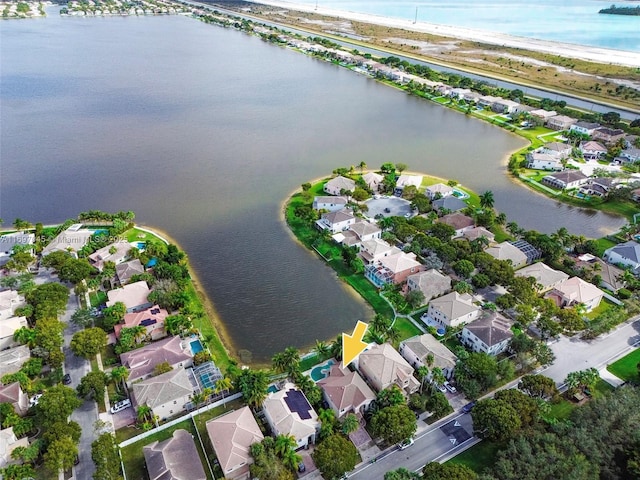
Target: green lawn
[(627, 367), (603, 244), (406, 329), (97, 298), (136, 235), (603, 307), (479, 457)]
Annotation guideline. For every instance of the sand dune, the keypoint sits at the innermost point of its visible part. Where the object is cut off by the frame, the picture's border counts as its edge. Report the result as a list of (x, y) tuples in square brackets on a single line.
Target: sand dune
[(595, 54)]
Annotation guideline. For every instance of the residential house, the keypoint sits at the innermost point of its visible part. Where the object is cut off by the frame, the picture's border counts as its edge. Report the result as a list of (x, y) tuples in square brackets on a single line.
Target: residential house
[(479, 232), (566, 180), (453, 309), (531, 252), (405, 181), (631, 141), (508, 252), (542, 115), (152, 319), (373, 180), (231, 436), (12, 359), (449, 203), (607, 135), (598, 187), (394, 268), (592, 150), (336, 221), (576, 291), (174, 459), (125, 271), (382, 366), (371, 251), (431, 283), (134, 296), (166, 394), (142, 361), (560, 150), (360, 231), (546, 277), (71, 240), (626, 254), (346, 392), (458, 93), (438, 190), (460, 223), (635, 195), (339, 184), (13, 394), (288, 412), (10, 240), (491, 334), (584, 128), (416, 351), (612, 277), (471, 97), (487, 100), (116, 252), (544, 161), (631, 154), (9, 301), (330, 204), (8, 443), (8, 327), (504, 105), (560, 122)]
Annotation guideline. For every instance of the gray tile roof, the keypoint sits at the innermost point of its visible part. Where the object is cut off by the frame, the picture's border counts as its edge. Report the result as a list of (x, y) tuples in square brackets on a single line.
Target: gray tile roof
[(174, 459), (630, 250), (491, 329)]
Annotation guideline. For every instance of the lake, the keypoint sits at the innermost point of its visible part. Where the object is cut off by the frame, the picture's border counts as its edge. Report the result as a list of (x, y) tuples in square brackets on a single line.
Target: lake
[(204, 132)]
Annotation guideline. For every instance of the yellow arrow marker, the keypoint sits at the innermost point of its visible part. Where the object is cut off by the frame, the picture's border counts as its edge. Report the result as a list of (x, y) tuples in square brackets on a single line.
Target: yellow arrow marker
[(352, 345)]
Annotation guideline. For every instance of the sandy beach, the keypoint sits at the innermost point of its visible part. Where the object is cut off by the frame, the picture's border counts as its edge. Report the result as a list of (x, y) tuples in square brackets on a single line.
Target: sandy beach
[(594, 54)]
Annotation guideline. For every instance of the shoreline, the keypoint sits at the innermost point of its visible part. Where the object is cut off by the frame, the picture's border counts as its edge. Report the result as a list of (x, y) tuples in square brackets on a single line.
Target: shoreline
[(583, 52)]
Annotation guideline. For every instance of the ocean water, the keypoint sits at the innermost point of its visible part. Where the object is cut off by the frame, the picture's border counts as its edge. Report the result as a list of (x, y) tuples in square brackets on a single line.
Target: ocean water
[(570, 21)]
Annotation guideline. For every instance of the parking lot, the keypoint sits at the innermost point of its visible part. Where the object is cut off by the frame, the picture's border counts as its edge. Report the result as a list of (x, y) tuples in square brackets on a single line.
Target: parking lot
[(397, 207)]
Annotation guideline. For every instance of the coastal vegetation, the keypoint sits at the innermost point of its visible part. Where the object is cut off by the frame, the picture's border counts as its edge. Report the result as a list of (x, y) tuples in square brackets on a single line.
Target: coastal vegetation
[(614, 10), (118, 7), (13, 10)]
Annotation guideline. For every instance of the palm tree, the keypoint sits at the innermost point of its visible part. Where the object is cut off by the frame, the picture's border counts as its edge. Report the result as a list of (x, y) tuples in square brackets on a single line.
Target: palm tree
[(284, 443), (120, 374), (423, 373), (350, 424), (222, 386), (254, 385), (336, 348), (198, 398), (287, 361), (362, 165), (326, 415), (144, 412), (437, 376), (291, 459), (379, 324), (486, 199), (392, 335), (322, 349)]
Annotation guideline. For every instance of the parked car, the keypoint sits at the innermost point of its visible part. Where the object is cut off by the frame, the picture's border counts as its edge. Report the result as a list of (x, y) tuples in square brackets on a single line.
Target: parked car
[(33, 401), (450, 387), (442, 388), (66, 379), (301, 467), (387, 210), (468, 407), (121, 405), (405, 444)]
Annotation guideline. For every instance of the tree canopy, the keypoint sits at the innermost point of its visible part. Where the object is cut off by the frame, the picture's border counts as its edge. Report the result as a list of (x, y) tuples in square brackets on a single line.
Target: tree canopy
[(394, 424), (87, 343), (334, 456)]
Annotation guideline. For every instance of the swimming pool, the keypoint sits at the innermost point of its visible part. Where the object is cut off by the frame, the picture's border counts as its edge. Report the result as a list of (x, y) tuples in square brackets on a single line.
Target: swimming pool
[(321, 371), (141, 245), (272, 389), (101, 232), (462, 195), (196, 346)]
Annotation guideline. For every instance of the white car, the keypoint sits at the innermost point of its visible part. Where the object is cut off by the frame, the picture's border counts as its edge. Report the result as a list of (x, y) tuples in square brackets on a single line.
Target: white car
[(450, 387), (405, 444), (121, 405), (442, 388), (33, 401)]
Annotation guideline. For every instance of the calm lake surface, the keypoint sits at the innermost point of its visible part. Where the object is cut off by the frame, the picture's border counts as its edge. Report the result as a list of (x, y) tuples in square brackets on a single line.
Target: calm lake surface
[(203, 132), (570, 21)]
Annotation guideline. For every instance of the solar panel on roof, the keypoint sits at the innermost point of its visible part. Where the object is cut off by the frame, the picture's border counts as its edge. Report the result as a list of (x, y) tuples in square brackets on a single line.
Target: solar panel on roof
[(155, 311), (297, 403), (148, 321)]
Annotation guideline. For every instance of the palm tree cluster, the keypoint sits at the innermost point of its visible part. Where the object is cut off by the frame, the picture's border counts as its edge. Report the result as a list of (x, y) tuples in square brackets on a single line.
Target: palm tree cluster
[(381, 329), (275, 458)]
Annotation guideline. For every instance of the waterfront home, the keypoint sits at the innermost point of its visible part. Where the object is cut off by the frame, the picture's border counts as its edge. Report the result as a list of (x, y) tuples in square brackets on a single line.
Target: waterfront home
[(174, 459), (359, 232), (631, 141), (166, 395), (231, 436), (373, 181), (504, 105), (458, 93), (453, 309), (126, 270), (635, 195), (134, 296), (566, 180), (479, 232), (610, 275), (558, 149), (346, 392), (531, 252), (288, 412), (598, 187), (438, 190), (152, 319), (336, 221), (544, 161), (330, 204), (487, 100), (459, 222), (575, 291), (592, 150), (508, 252), (560, 122), (10, 240), (626, 254), (8, 443), (406, 180), (8, 328), (9, 301), (546, 277), (71, 240), (431, 283), (417, 350), (142, 361), (116, 252), (584, 128), (392, 269), (490, 334), (382, 366), (371, 251), (607, 135), (12, 359), (632, 155), (338, 185), (449, 203), (471, 97), (542, 115), (14, 395)]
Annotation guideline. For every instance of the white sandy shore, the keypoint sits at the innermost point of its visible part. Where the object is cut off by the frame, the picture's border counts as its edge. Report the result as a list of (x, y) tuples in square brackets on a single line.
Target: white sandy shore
[(595, 54)]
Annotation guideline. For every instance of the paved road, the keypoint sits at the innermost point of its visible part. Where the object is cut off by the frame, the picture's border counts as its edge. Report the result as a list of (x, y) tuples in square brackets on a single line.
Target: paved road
[(87, 414), (447, 436)]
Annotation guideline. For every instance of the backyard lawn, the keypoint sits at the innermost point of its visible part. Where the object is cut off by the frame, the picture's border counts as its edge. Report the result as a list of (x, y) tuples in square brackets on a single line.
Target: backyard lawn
[(479, 457), (627, 367), (97, 298), (406, 329)]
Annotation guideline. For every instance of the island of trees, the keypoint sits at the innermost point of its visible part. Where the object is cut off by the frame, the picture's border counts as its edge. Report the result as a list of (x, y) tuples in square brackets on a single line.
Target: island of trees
[(614, 10)]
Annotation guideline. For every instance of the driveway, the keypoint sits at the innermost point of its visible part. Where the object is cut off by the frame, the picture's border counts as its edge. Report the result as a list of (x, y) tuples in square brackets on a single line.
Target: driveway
[(124, 418), (398, 207)]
